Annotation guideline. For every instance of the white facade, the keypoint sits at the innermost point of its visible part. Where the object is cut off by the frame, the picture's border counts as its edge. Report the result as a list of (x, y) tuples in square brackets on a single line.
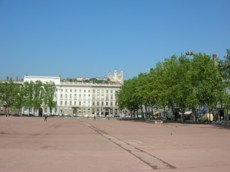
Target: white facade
[(87, 98), (81, 98), (55, 79)]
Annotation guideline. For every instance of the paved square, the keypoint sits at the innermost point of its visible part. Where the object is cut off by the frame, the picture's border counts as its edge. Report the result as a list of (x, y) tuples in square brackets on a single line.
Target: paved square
[(85, 145)]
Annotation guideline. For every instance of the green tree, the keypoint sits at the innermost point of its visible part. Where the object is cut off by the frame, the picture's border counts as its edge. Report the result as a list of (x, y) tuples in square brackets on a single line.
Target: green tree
[(224, 66), (207, 81), (38, 95), (183, 84), (178, 83), (33, 94), (19, 98), (49, 94), (8, 94), (143, 92), (168, 79), (127, 97), (159, 97), (28, 94)]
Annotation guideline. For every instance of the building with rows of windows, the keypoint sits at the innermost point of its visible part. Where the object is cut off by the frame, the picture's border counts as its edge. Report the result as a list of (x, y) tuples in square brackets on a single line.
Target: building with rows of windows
[(81, 97)]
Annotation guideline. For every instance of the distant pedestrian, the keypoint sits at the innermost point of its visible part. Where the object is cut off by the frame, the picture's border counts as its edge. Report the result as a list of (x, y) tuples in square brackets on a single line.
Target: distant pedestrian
[(45, 119)]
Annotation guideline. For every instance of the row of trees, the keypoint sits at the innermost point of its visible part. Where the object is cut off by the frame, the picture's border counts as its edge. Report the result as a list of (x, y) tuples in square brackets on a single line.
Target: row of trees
[(184, 82), (29, 95)]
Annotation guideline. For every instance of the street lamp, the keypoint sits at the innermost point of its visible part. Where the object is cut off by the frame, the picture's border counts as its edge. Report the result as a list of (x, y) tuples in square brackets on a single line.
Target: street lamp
[(194, 111), (190, 53)]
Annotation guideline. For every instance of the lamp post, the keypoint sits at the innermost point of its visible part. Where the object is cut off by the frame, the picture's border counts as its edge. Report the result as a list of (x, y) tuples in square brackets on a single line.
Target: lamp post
[(189, 53)]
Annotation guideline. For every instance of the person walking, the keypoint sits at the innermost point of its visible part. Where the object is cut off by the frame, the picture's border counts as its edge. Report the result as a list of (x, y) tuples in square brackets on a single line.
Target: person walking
[(45, 119)]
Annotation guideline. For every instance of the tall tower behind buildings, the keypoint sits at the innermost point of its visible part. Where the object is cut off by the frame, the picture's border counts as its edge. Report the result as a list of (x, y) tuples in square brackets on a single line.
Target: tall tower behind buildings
[(116, 76)]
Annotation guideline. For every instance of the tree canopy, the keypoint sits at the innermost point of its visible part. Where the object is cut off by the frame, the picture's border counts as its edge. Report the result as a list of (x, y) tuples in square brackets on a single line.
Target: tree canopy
[(184, 82), (29, 95)]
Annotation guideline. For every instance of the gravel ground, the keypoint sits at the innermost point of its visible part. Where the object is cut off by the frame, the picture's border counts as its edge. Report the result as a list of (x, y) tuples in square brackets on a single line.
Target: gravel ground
[(30, 144)]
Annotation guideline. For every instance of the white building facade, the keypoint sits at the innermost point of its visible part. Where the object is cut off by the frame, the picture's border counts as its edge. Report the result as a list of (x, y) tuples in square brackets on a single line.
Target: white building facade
[(80, 98), (87, 98)]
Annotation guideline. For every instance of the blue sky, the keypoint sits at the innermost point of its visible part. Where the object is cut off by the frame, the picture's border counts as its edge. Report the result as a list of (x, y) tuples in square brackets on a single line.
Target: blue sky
[(91, 38)]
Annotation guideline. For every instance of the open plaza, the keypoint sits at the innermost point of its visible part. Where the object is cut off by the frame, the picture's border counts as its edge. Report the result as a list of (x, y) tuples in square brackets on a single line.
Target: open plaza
[(30, 144)]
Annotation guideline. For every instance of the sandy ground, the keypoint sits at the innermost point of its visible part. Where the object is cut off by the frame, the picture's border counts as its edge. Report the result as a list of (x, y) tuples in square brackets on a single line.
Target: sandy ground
[(29, 144)]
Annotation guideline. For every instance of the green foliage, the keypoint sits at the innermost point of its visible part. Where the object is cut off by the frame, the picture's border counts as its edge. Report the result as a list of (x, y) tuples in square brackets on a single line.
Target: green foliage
[(49, 90), (178, 82), (224, 66), (8, 93), (128, 97), (30, 94)]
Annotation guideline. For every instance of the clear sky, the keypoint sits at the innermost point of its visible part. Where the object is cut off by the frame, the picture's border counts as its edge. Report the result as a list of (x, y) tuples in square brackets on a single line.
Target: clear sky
[(91, 38)]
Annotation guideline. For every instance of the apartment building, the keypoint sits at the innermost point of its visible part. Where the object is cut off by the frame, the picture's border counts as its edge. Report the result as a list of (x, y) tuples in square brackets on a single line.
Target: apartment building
[(82, 97)]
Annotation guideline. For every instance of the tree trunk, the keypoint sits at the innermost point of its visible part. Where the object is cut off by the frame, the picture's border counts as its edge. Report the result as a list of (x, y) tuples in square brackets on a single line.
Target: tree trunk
[(195, 114), (142, 112), (146, 112)]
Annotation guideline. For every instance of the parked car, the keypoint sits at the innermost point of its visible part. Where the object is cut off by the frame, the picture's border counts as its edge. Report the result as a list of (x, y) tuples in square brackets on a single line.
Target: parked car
[(208, 117)]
